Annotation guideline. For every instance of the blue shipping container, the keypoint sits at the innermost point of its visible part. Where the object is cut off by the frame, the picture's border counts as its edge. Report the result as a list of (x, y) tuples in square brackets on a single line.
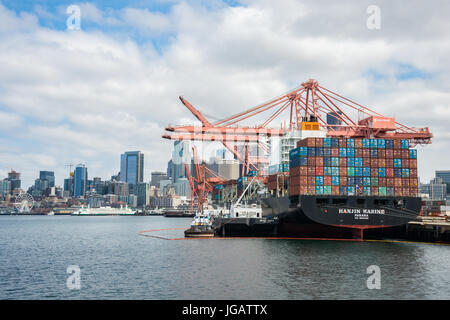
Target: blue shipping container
[(404, 144), (397, 163), (334, 180), (373, 143), (294, 153), (412, 153), (342, 152), (327, 142), (319, 180), (350, 162), (358, 162), (326, 152), (366, 143), (389, 144), (350, 142), (374, 153), (334, 162), (311, 151), (381, 143), (327, 162), (382, 172), (366, 172), (350, 152)]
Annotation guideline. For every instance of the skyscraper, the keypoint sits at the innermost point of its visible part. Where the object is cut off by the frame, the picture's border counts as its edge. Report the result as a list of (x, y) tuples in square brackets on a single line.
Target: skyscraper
[(80, 180), (14, 178), (132, 168), (181, 155), (49, 176)]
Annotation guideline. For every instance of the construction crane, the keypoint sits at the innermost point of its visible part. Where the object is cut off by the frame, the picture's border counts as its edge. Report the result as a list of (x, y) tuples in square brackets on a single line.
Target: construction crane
[(203, 182), (309, 106)]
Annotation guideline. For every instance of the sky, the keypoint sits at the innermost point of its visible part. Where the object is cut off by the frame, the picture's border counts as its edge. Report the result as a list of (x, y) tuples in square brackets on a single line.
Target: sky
[(71, 96)]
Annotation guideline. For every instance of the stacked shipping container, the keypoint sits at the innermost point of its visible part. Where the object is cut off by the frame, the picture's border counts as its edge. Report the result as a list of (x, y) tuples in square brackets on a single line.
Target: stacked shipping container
[(353, 166)]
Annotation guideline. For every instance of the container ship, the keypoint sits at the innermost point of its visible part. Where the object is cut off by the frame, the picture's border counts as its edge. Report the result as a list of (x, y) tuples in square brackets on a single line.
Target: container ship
[(329, 175), (340, 187)]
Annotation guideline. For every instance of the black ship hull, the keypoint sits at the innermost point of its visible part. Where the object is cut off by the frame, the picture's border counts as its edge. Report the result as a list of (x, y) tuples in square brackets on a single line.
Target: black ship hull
[(347, 217)]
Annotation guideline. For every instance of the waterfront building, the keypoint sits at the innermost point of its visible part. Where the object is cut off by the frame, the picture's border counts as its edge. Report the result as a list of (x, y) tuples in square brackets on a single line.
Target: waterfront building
[(80, 180), (435, 190), (143, 194), (48, 176), (157, 177), (181, 156), (14, 178), (132, 168), (5, 188), (40, 187)]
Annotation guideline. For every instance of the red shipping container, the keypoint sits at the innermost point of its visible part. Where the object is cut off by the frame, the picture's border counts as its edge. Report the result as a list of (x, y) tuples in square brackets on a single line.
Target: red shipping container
[(311, 171), (294, 190), (358, 153), (405, 153), (294, 171), (366, 162), (382, 163), (311, 161), (311, 142), (389, 182), (413, 163), (311, 180), (374, 162), (342, 171), (382, 182), (398, 192), (374, 191), (358, 143), (405, 182), (319, 142), (303, 189), (397, 182), (413, 173), (366, 153), (389, 153), (335, 152), (327, 180), (335, 190), (342, 162), (389, 163), (342, 142), (405, 163), (303, 170), (413, 182), (312, 189), (397, 153), (397, 144), (405, 192), (374, 172), (302, 143), (319, 171), (381, 153), (414, 192), (319, 161), (343, 180), (390, 172)]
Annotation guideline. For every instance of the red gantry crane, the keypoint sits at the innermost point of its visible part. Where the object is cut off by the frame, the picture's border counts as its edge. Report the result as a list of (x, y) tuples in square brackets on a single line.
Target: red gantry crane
[(308, 105), (203, 182)]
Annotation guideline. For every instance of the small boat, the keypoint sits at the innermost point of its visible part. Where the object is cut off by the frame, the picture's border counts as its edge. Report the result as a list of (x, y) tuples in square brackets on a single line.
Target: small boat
[(201, 227)]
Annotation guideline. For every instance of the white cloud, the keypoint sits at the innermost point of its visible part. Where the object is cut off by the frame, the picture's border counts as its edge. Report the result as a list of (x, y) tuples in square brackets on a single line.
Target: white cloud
[(90, 95)]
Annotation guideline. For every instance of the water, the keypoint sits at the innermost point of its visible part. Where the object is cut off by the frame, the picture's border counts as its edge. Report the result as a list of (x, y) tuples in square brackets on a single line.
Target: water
[(117, 263)]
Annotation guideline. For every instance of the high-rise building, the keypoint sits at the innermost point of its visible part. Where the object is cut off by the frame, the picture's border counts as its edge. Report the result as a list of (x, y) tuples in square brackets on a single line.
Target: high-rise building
[(143, 194), (49, 176), (14, 178), (444, 175), (68, 185), (40, 187), (181, 156), (157, 177), (80, 180), (5, 187), (436, 189), (132, 168)]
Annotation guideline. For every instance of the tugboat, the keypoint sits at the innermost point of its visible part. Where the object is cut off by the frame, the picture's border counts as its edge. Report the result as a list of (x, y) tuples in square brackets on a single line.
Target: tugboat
[(201, 227)]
